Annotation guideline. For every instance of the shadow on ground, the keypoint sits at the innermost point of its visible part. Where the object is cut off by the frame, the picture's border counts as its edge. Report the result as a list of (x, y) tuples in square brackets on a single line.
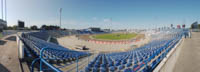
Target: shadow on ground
[(2, 42), (54, 40), (11, 38), (3, 69)]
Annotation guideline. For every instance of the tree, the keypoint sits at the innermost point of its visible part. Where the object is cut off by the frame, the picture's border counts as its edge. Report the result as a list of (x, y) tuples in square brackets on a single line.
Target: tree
[(50, 27), (34, 27), (15, 27), (43, 27), (9, 28), (199, 26), (26, 28)]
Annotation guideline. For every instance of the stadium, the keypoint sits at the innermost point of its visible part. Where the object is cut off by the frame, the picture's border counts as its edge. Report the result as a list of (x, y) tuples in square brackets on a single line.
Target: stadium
[(88, 51), (57, 50), (99, 36)]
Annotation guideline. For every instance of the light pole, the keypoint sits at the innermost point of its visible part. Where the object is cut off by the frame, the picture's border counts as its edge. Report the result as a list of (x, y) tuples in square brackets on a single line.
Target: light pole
[(2, 8), (110, 23), (5, 11), (60, 16)]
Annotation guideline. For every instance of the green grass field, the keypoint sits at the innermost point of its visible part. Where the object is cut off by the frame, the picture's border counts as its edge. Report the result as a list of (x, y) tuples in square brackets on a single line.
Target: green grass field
[(115, 36), (1, 35)]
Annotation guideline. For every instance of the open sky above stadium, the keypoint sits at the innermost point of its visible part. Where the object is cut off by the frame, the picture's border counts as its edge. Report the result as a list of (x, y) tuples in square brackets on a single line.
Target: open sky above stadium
[(98, 13)]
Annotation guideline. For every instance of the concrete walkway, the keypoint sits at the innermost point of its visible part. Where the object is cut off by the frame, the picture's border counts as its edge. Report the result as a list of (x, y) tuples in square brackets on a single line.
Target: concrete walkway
[(189, 59), (9, 54)]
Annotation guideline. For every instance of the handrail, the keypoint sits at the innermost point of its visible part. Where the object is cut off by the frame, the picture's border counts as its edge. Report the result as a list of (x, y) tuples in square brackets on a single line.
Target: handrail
[(42, 60), (32, 64)]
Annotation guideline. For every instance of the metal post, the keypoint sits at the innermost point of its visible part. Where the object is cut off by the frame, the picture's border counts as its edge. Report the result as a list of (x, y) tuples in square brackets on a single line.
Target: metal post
[(40, 65), (77, 64), (88, 57), (60, 16), (33, 62), (5, 11), (110, 23), (41, 55), (2, 8)]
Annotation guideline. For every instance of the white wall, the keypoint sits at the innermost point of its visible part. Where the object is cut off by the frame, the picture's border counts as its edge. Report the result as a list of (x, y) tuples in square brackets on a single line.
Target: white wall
[(168, 63)]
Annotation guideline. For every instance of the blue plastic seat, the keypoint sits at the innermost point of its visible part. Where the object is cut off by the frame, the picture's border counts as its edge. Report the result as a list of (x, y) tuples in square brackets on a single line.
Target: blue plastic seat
[(121, 67), (128, 65), (95, 69), (112, 68), (128, 70), (102, 69), (87, 69)]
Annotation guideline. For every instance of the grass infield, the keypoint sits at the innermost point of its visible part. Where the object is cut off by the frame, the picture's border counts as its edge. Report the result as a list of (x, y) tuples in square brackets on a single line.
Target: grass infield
[(1, 35), (115, 36)]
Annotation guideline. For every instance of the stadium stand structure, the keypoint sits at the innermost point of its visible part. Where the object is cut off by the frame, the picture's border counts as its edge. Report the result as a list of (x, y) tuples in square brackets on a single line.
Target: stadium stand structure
[(48, 52), (143, 59)]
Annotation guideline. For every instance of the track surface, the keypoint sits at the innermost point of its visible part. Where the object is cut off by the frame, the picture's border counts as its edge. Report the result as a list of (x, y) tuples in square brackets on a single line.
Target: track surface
[(73, 42), (189, 59)]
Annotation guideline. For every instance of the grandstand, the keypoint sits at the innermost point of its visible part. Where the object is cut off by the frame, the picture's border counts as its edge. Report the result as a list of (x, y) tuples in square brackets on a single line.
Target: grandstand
[(48, 56)]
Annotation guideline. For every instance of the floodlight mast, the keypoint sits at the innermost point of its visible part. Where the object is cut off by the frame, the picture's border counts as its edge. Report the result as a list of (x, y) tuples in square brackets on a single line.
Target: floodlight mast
[(2, 8), (110, 23), (5, 11), (60, 16)]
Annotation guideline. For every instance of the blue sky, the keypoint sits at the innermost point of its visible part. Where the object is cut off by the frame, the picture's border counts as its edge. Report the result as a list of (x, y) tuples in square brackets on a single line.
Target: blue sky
[(97, 13)]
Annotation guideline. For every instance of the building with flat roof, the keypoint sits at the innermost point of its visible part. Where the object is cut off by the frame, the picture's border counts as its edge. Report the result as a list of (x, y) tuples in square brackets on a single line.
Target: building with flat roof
[(195, 25), (3, 24)]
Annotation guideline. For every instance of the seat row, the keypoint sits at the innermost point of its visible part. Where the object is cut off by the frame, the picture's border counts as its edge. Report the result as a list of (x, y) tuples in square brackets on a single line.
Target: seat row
[(143, 59)]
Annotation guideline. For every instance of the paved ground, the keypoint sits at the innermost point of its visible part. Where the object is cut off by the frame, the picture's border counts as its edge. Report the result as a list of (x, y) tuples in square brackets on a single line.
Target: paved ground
[(189, 59), (9, 55)]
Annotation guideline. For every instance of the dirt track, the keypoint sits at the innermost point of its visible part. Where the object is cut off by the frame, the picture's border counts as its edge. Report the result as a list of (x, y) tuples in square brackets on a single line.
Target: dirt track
[(73, 42), (9, 54)]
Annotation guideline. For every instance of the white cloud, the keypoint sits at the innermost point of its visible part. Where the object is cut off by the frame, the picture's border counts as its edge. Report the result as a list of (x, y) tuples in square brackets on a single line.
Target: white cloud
[(94, 18), (106, 20)]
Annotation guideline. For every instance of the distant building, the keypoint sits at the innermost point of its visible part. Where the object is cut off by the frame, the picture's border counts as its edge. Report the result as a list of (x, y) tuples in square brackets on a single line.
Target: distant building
[(3, 24), (106, 30), (95, 29), (194, 25), (171, 25)]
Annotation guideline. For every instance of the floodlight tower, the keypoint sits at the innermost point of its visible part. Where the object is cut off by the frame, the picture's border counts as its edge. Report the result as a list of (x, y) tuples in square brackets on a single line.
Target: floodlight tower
[(2, 8), (5, 11), (110, 23), (60, 16)]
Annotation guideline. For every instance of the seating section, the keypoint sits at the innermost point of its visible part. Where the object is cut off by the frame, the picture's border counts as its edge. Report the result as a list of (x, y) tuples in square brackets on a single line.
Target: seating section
[(143, 59), (45, 34), (58, 33), (40, 35), (54, 51)]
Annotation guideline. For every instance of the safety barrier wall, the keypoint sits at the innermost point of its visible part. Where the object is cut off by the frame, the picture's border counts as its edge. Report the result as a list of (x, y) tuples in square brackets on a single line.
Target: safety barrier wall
[(113, 42), (20, 46), (168, 63)]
